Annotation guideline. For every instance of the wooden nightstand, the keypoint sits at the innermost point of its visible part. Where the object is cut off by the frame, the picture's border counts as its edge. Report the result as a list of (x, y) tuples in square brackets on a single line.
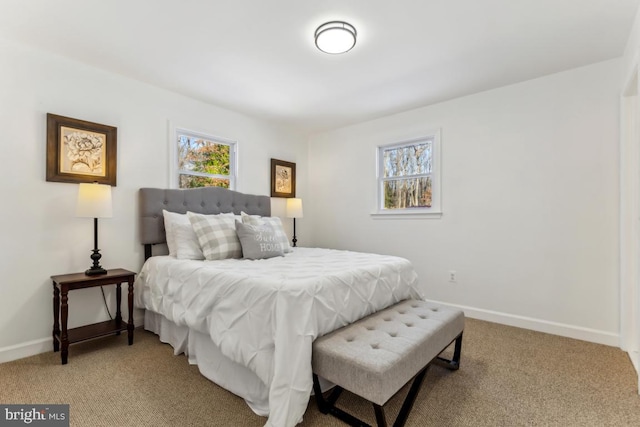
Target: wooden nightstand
[(62, 284)]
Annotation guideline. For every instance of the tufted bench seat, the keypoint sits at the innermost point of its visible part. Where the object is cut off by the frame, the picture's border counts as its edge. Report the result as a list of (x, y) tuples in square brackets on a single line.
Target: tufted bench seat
[(377, 355)]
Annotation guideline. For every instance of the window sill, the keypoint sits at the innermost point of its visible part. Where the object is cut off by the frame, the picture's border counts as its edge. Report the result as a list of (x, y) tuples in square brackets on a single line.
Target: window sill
[(399, 214)]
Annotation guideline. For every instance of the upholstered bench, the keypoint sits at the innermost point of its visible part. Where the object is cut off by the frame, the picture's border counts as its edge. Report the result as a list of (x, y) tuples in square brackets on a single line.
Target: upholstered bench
[(377, 355)]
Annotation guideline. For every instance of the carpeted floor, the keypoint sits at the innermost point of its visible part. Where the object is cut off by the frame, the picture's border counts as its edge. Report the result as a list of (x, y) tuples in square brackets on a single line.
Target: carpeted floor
[(508, 377)]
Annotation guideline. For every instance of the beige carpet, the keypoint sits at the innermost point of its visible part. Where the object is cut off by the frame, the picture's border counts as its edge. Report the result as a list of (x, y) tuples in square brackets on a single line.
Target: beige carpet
[(508, 377)]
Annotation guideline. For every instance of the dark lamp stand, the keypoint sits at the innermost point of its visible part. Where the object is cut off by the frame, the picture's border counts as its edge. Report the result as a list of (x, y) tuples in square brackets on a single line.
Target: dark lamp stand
[(95, 256), (294, 240)]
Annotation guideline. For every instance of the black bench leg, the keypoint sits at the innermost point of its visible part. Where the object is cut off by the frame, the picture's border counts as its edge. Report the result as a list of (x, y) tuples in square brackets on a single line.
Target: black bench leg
[(328, 406), (380, 418), (325, 405), (411, 398), (454, 363), (317, 391)]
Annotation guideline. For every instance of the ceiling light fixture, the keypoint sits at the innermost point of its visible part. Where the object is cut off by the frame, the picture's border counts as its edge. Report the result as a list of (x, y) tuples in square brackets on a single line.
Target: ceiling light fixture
[(335, 37)]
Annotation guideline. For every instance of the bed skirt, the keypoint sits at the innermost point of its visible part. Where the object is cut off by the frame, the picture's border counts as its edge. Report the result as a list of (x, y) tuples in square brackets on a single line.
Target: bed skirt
[(215, 366)]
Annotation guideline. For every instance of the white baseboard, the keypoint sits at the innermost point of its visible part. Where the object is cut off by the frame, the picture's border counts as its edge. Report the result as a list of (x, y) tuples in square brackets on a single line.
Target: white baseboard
[(635, 360), (30, 348), (42, 345), (561, 329)]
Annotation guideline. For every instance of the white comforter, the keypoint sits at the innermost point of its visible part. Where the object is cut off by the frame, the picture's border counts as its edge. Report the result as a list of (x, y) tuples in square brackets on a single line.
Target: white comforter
[(265, 314)]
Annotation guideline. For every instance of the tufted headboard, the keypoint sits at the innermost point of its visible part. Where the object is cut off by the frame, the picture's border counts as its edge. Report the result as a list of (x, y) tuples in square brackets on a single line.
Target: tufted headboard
[(205, 200)]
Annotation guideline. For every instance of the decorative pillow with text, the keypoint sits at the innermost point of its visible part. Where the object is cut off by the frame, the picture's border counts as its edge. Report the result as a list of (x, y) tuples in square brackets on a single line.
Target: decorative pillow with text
[(258, 241), (272, 221)]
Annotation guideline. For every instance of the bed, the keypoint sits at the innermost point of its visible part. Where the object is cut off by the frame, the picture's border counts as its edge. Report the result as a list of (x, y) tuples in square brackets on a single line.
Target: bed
[(249, 324)]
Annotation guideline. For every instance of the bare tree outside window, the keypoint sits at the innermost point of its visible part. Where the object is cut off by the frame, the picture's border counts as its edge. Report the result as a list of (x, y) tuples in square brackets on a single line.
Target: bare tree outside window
[(406, 175)]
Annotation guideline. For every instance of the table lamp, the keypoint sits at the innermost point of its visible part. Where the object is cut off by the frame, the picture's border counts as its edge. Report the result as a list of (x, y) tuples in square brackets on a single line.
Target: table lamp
[(294, 210), (94, 201)]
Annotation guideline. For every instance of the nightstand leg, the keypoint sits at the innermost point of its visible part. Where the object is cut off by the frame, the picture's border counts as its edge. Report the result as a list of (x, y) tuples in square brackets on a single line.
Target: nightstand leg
[(56, 318), (64, 337), (130, 306), (118, 303)]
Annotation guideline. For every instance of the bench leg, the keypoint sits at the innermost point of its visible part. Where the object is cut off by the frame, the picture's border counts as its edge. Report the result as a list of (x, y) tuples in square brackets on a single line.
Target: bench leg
[(317, 391), (411, 398), (453, 364), (325, 405), (380, 418), (328, 406)]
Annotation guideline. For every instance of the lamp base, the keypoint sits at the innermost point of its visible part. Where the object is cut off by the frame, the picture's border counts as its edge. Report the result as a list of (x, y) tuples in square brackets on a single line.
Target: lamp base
[(95, 271), (96, 268), (294, 241)]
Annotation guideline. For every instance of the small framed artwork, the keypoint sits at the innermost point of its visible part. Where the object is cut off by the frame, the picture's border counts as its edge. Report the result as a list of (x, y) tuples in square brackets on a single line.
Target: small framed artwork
[(80, 151), (283, 178)]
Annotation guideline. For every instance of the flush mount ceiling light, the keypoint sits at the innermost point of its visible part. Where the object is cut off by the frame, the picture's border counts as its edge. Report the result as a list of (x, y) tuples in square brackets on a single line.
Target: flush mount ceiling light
[(335, 37)]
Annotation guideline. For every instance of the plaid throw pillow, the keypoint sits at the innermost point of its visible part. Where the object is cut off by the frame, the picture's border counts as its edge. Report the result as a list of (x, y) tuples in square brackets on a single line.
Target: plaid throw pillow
[(217, 235), (272, 221)]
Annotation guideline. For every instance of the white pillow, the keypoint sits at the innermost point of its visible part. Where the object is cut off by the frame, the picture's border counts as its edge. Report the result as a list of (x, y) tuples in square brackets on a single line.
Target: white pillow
[(187, 244), (274, 222), (169, 219), (181, 239), (217, 235), (245, 218)]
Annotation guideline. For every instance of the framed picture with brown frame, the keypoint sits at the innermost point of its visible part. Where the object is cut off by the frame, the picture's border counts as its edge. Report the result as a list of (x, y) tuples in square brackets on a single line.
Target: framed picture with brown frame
[(283, 178), (80, 151)]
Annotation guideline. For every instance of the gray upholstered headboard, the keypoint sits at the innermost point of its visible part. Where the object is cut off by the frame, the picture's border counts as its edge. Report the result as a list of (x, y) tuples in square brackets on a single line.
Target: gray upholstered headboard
[(206, 200)]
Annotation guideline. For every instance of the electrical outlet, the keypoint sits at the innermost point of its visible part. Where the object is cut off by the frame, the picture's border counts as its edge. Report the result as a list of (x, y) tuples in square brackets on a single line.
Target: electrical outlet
[(453, 276)]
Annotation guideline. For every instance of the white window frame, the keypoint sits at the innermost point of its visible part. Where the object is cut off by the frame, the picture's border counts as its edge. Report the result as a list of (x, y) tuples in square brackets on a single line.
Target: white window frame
[(435, 211), (175, 172)]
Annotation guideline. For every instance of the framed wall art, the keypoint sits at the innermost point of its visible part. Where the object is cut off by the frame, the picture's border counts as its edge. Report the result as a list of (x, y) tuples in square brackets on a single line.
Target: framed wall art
[(283, 178), (80, 151)]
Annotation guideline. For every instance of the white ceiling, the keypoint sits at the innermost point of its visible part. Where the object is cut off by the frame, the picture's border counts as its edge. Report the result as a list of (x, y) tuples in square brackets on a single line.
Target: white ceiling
[(258, 56)]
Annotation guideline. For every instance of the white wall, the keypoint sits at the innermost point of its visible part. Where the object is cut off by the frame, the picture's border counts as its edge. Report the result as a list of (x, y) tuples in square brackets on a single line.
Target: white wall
[(39, 234), (632, 50), (630, 198), (530, 201)]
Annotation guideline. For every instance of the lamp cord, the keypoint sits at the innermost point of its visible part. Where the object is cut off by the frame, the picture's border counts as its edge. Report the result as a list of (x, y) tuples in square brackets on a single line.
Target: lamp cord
[(105, 303)]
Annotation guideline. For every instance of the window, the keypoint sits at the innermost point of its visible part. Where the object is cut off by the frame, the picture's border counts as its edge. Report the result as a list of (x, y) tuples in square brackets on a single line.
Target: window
[(204, 161), (409, 177)]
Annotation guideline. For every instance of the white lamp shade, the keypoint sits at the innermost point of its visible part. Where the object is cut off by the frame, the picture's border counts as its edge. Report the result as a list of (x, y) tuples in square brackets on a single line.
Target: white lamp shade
[(94, 201), (294, 208)]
